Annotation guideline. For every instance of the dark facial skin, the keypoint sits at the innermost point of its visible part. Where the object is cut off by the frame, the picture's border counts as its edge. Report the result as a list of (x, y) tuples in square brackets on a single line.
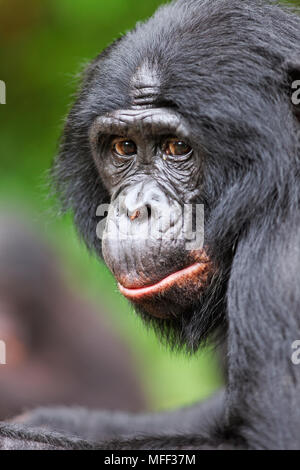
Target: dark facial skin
[(136, 96), (149, 129), (150, 169)]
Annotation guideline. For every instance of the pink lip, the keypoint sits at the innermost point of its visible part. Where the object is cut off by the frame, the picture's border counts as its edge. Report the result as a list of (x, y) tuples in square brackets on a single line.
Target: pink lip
[(164, 284)]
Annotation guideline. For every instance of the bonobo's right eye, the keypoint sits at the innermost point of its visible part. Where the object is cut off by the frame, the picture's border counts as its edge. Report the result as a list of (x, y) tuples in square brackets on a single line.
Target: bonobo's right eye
[(123, 147)]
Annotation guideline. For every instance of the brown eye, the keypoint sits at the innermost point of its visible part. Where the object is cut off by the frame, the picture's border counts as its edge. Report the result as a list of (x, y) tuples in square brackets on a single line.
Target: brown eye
[(176, 147), (124, 147)]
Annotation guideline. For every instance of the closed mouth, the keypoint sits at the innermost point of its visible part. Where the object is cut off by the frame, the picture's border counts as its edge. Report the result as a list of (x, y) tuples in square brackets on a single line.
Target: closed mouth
[(178, 278)]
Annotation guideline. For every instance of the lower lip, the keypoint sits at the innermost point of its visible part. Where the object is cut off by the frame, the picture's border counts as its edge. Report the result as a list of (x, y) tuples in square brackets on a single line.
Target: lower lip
[(184, 275)]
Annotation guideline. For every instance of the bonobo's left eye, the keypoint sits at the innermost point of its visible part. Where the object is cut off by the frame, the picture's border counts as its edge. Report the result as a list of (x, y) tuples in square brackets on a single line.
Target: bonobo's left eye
[(123, 147), (175, 147)]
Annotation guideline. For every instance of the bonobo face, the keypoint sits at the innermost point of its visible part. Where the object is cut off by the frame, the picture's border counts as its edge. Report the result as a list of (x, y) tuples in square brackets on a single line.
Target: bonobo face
[(186, 117), (153, 240)]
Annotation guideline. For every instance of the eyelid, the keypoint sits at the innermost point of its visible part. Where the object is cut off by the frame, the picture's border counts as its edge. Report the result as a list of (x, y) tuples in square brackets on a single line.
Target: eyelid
[(120, 138), (179, 158)]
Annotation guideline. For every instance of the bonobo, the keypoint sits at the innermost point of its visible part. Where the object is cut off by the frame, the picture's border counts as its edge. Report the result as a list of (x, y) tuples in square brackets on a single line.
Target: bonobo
[(195, 107)]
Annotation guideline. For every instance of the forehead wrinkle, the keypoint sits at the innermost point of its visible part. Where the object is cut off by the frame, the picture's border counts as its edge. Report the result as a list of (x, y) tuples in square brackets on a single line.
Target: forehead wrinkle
[(154, 121), (145, 86)]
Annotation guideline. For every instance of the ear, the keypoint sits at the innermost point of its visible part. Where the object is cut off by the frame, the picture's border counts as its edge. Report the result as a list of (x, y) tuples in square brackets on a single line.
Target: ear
[(292, 67)]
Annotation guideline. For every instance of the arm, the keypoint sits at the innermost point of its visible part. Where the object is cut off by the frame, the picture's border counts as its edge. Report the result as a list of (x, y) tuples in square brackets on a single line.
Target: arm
[(102, 425), (193, 428)]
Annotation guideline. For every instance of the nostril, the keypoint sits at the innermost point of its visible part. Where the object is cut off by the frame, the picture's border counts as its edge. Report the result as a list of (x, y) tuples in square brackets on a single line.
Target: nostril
[(135, 215), (143, 213)]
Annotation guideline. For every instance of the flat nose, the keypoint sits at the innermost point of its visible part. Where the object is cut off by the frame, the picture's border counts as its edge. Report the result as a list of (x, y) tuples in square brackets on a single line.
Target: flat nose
[(146, 208), (139, 202)]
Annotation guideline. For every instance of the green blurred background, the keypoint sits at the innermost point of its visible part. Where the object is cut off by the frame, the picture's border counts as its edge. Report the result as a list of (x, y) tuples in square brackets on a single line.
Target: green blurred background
[(44, 44)]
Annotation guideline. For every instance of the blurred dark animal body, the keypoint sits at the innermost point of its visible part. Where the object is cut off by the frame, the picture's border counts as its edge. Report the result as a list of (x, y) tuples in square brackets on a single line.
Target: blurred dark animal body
[(60, 349)]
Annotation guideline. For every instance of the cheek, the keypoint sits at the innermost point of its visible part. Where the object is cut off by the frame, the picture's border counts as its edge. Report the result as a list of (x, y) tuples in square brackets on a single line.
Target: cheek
[(109, 179), (111, 176)]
